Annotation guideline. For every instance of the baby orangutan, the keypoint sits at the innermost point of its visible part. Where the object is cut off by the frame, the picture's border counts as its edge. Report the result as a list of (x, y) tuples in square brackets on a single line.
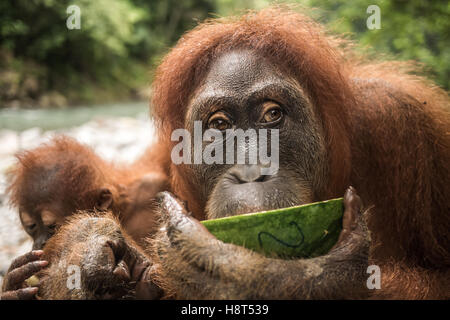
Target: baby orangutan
[(63, 177)]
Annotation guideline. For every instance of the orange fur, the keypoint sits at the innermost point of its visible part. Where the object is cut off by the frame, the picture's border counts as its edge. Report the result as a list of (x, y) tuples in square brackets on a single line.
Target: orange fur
[(387, 133)]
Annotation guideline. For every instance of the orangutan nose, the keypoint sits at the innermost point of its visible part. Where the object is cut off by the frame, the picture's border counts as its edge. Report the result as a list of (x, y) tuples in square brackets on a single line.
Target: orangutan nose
[(246, 174), (40, 242)]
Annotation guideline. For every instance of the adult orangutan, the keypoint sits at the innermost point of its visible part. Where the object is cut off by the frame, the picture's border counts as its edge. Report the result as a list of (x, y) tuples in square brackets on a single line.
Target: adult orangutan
[(342, 121)]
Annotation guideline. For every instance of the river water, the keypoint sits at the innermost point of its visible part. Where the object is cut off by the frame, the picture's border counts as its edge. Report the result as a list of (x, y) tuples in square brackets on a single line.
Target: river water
[(51, 119)]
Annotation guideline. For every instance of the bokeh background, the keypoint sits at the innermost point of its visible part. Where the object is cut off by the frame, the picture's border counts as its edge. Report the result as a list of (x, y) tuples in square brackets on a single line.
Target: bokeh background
[(112, 56), (93, 83)]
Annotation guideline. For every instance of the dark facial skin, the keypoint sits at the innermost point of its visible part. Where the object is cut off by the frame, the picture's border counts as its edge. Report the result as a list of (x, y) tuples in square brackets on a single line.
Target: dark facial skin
[(246, 91), (41, 223)]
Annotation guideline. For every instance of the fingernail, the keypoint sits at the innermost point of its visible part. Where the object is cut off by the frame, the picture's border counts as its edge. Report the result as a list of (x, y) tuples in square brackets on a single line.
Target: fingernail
[(31, 289), (42, 263), (122, 271), (348, 192), (38, 252)]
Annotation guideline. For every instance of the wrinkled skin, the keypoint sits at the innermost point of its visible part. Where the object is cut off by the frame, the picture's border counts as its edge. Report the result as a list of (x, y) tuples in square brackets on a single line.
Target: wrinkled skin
[(21, 269), (241, 91)]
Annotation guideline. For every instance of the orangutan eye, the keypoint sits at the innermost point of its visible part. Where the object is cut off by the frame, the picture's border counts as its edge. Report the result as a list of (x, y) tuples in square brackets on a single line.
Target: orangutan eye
[(31, 227), (219, 121), (52, 226), (271, 112)]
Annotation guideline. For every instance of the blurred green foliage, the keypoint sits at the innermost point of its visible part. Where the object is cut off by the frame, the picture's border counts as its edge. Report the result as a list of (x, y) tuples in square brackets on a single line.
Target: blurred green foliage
[(109, 58), (410, 30), (120, 41)]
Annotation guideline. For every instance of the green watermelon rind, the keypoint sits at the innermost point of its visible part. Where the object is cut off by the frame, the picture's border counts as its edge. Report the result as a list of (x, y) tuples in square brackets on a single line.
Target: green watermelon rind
[(275, 233)]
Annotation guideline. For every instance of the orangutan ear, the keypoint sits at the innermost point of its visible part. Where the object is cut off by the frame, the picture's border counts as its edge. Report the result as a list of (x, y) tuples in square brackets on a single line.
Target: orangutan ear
[(104, 199)]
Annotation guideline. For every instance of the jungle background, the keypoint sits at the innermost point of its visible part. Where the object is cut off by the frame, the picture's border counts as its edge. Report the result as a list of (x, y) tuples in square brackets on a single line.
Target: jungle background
[(113, 55)]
